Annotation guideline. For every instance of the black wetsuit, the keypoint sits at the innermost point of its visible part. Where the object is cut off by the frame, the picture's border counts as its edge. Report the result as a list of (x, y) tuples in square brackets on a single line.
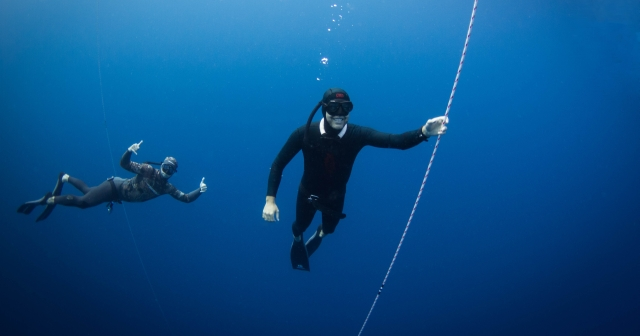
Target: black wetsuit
[(147, 184), (328, 160)]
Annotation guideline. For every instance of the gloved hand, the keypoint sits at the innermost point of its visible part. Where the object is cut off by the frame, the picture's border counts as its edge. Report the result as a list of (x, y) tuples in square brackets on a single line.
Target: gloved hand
[(203, 187), (134, 148), (271, 213), (435, 126)]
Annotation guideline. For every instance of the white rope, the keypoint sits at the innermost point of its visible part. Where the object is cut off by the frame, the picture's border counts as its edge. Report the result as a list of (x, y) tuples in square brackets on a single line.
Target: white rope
[(104, 113), (426, 175)]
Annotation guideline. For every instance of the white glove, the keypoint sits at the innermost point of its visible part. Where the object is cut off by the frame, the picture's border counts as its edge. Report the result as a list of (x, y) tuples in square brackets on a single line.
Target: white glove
[(134, 148), (203, 187), (271, 213), (435, 126)]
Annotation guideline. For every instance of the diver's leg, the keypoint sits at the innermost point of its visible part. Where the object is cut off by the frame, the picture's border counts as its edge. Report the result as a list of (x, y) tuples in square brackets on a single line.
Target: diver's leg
[(79, 184), (335, 202), (94, 196), (304, 215)]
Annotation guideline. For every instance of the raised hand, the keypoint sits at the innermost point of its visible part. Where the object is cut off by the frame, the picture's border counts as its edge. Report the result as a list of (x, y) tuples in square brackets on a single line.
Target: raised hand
[(134, 148), (203, 187)]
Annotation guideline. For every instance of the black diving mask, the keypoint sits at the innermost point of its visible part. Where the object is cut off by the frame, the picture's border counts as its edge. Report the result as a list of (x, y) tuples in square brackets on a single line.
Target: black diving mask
[(168, 168), (338, 108)]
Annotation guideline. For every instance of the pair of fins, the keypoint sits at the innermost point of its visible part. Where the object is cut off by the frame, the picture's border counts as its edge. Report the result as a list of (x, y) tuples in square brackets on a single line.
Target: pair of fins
[(300, 252), (28, 207)]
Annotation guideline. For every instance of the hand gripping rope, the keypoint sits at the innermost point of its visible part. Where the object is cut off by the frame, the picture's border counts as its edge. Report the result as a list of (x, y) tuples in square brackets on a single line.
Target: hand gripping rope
[(453, 91)]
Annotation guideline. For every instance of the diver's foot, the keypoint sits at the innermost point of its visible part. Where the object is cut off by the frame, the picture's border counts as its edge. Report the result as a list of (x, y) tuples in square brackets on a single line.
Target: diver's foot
[(45, 200)]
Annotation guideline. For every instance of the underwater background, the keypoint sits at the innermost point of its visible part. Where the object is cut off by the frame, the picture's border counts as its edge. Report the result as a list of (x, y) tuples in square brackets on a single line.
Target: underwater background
[(529, 223)]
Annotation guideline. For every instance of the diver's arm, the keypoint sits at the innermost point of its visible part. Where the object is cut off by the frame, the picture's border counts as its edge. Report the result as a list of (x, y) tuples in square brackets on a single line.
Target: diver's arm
[(434, 126), (399, 141), (287, 153), (270, 212), (182, 197), (125, 161), (127, 164)]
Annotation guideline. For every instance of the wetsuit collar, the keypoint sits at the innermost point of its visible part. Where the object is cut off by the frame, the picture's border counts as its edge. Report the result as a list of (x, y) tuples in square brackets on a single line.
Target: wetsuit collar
[(341, 134)]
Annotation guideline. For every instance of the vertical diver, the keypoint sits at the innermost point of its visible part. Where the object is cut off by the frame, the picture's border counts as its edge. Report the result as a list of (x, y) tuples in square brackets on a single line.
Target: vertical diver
[(330, 147)]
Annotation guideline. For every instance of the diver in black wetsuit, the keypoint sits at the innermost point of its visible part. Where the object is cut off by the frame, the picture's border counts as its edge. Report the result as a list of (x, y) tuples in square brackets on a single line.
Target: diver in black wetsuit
[(330, 147), (148, 183)]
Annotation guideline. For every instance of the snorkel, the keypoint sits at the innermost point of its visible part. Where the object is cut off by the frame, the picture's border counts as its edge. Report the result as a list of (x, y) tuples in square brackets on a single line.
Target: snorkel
[(169, 161), (306, 130)]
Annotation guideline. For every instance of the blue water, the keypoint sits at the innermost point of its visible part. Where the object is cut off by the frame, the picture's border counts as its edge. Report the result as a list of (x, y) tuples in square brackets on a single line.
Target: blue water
[(529, 224)]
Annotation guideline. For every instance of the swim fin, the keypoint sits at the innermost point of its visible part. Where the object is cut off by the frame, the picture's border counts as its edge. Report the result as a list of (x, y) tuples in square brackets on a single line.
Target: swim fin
[(299, 257), (313, 243), (57, 190), (27, 207)]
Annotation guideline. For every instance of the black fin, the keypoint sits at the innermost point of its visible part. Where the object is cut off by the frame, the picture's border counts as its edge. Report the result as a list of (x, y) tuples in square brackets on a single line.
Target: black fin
[(313, 243), (57, 190), (299, 257), (47, 209), (27, 207)]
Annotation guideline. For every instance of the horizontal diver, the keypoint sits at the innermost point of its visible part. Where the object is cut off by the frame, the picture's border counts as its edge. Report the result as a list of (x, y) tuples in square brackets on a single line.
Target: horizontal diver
[(148, 184)]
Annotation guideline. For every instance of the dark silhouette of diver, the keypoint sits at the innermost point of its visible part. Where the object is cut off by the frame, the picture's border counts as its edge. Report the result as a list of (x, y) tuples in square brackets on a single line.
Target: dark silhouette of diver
[(330, 147), (148, 183)]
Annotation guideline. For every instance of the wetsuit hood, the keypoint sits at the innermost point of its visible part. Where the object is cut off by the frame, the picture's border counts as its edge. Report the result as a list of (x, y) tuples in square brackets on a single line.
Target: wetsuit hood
[(168, 167), (333, 95)]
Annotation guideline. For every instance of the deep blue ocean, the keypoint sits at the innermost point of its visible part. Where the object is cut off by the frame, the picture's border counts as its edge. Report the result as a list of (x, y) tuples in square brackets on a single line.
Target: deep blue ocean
[(530, 219)]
